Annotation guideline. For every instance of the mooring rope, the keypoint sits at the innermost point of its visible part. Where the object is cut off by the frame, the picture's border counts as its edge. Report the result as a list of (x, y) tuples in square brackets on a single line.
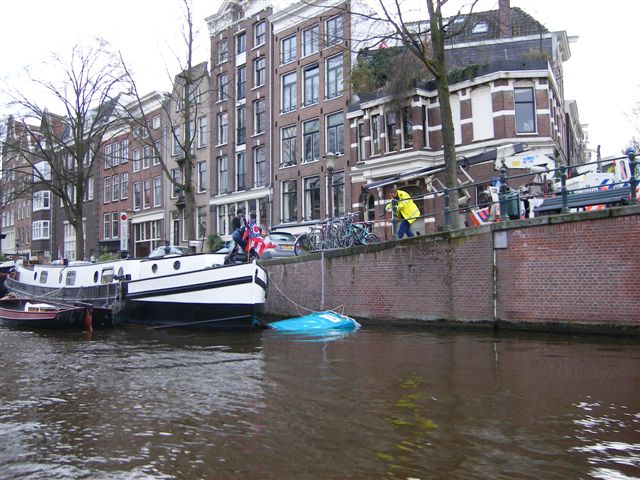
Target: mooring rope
[(298, 306)]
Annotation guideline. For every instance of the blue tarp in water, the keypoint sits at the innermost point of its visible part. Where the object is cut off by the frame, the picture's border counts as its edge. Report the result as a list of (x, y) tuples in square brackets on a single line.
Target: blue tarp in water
[(316, 322)]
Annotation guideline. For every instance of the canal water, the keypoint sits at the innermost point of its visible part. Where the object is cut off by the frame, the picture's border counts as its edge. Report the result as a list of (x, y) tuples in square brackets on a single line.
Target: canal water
[(136, 403)]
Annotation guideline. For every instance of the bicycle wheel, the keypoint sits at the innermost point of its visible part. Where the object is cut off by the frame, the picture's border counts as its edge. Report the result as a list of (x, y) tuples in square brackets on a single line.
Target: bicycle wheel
[(348, 240), (302, 245), (370, 238)]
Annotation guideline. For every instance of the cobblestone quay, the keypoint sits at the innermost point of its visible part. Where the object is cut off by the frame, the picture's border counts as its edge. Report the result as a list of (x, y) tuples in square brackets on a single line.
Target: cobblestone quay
[(571, 272)]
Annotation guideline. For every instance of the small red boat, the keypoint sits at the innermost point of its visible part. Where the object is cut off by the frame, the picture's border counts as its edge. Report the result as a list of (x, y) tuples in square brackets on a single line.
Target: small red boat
[(27, 312)]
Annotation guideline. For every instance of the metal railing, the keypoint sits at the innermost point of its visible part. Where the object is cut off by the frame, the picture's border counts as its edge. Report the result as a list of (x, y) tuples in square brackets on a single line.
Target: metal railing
[(505, 194)]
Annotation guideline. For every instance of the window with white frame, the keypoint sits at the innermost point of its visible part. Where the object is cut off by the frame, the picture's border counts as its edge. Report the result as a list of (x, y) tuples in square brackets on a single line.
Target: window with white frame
[(125, 150), (288, 146), (525, 110), (334, 31), (146, 156), (41, 200), (335, 132), (202, 222), (259, 71), (136, 160), (223, 173), (223, 87), (175, 140), (241, 42), (88, 189), (288, 92), (137, 196), (40, 230), (311, 78), (260, 116), (116, 154), (289, 201), (241, 125), (41, 171), (203, 131), (124, 185), (312, 198), (375, 134), (259, 167), (107, 190), (223, 128), (115, 225), (107, 156), (223, 50), (311, 141), (146, 194), (157, 192), (241, 171), (335, 76), (115, 188), (106, 226), (155, 153), (311, 40), (288, 50), (407, 128), (155, 122), (241, 82), (175, 175), (338, 200), (259, 33), (202, 176), (69, 239)]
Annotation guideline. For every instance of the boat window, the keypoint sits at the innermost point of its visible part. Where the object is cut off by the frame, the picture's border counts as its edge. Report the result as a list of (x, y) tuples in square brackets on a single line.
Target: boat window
[(107, 275), (154, 268), (43, 277), (176, 265), (120, 272), (71, 278), (95, 277), (35, 275), (60, 278)]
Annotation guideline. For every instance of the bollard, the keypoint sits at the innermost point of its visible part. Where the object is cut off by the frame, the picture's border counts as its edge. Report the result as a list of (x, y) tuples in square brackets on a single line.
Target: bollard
[(563, 188), (502, 195)]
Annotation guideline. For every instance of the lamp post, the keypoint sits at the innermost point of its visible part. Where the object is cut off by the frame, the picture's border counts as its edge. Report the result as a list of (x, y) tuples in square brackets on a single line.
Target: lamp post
[(330, 163)]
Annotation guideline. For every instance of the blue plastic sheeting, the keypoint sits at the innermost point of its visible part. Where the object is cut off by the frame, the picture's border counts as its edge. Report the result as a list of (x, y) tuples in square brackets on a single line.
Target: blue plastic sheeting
[(316, 322)]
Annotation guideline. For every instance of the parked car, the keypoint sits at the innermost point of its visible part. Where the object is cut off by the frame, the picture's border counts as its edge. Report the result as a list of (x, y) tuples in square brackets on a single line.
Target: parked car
[(227, 247), (278, 244)]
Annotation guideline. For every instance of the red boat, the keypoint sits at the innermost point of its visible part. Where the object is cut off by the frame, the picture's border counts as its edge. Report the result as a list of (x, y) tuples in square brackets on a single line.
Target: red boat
[(27, 312)]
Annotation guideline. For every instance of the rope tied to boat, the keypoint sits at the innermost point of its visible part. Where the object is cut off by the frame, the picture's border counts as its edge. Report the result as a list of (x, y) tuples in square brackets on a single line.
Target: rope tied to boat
[(339, 308)]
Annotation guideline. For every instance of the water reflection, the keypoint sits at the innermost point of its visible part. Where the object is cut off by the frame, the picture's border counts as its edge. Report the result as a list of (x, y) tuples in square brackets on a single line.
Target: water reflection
[(139, 403)]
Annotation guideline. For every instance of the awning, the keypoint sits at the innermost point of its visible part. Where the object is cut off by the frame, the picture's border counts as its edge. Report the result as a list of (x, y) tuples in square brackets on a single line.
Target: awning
[(488, 156)]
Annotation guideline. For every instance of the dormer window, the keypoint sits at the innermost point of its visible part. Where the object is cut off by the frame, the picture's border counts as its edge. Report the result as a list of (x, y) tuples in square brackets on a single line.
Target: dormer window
[(238, 14), (481, 27)]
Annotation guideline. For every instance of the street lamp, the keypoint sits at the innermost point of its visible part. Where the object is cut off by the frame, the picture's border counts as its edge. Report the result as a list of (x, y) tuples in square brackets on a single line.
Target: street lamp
[(330, 163)]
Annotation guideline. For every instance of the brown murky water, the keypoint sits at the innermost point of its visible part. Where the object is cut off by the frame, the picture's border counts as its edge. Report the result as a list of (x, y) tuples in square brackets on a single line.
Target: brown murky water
[(143, 404)]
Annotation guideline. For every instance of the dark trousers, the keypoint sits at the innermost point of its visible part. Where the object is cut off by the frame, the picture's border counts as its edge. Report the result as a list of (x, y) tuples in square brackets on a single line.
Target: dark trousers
[(237, 237), (405, 229)]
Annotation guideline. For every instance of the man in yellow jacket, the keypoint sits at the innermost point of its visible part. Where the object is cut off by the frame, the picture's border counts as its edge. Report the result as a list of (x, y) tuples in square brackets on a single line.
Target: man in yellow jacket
[(407, 211)]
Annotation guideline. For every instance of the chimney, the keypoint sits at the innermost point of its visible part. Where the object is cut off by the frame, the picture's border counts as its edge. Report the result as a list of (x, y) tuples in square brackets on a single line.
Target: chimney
[(504, 15)]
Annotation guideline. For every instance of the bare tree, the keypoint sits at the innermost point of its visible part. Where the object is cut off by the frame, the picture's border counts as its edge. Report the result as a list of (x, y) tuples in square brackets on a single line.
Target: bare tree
[(426, 41), (63, 148), (182, 107)]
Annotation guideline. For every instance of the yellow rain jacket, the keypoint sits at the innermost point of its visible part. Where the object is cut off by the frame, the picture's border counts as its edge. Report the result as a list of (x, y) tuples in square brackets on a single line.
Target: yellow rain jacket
[(406, 209)]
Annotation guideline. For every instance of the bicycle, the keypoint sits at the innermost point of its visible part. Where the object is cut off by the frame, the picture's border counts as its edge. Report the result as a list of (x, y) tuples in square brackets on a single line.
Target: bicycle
[(359, 234)]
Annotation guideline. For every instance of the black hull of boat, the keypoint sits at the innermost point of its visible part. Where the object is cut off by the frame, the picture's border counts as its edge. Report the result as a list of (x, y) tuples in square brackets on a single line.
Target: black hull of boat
[(195, 316)]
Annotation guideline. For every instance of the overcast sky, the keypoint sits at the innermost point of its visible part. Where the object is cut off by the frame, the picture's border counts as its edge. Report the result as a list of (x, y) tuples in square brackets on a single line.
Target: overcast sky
[(602, 75)]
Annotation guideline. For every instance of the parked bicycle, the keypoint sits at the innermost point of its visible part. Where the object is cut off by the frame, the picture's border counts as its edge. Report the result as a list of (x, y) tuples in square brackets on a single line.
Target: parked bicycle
[(359, 233)]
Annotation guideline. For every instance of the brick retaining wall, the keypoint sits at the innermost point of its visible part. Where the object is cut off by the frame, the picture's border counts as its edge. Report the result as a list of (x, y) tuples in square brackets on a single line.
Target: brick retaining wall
[(564, 272)]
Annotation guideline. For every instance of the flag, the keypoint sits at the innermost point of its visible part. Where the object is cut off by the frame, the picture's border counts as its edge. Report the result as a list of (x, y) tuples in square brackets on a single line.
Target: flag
[(480, 216)]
